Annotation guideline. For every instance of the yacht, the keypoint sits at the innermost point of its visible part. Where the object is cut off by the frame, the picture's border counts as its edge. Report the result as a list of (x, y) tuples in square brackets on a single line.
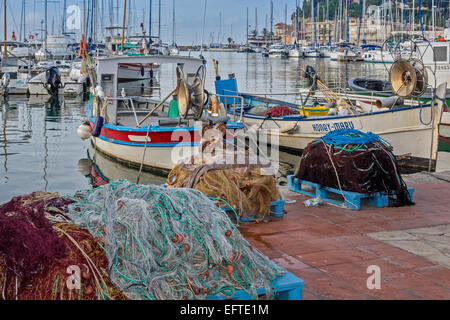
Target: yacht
[(278, 50)]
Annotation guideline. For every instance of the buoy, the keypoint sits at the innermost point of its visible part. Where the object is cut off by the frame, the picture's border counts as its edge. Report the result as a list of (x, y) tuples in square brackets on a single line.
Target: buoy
[(84, 131), (180, 238), (229, 269), (228, 233)]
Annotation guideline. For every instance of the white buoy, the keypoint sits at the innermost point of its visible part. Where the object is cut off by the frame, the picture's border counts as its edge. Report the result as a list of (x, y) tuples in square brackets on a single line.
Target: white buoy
[(84, 131)]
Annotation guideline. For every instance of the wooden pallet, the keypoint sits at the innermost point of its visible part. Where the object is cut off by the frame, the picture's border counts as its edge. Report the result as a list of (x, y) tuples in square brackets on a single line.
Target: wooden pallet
[(352, 200), (286, 287), (276, 210)]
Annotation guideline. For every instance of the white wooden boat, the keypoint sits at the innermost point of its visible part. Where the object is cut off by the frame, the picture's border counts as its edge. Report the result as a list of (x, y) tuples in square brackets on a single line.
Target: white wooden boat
[(413, 131), (128, 134)]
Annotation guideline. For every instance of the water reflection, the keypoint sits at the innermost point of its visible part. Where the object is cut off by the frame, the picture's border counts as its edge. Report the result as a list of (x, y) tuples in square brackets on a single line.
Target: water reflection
[(100, 169)]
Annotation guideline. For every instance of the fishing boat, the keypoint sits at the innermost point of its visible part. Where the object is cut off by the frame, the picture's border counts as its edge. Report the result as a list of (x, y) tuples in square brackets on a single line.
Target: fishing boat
[(294, 130), (141, 132)]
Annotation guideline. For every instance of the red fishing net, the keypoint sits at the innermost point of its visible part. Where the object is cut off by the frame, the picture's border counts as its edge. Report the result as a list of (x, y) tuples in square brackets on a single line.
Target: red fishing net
[(41, 253), (354, 161), (280, 111)]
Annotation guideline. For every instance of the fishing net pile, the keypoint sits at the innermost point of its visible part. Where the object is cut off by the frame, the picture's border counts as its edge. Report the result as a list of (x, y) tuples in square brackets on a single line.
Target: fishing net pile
[(351, 160), (280, 111), (170, 243), (243, 187), (240, 179), (38, 245)]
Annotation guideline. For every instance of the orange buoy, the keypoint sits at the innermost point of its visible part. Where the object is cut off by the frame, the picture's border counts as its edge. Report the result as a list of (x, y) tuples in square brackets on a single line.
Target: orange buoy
[(229, 269)]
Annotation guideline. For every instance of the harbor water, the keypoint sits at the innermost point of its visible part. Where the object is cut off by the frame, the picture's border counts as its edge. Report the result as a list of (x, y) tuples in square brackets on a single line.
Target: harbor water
[(40, 149)]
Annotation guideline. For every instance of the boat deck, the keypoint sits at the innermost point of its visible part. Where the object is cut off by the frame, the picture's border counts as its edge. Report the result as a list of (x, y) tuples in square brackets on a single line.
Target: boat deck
[(330, 248)]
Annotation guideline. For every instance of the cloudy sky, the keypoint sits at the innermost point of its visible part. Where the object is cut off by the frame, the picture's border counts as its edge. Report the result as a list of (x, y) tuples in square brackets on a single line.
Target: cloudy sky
[(189, 16)]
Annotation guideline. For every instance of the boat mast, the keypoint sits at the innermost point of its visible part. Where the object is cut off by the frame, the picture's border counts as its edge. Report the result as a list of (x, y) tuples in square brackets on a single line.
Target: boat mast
[(313, 21), (296, 23), (432, 17), (328, 23), (45, 48), (63, 25), (159, 22), (5, 52), (247, 28), (285, 23), (123, 26), (150, 23), (256, 21), (173, 23), (203, 28), (271, 21)]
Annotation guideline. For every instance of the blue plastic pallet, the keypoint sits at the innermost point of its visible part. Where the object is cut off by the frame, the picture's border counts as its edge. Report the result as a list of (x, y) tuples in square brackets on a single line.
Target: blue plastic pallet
[(352, 200), (276, 210), (286, 287)]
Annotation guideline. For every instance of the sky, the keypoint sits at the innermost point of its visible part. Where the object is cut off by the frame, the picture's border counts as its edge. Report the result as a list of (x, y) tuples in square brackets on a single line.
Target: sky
[(188, 17)]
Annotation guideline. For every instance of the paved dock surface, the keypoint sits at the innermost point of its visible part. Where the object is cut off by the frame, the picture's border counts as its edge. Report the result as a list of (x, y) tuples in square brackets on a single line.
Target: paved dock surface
[(330, 248)]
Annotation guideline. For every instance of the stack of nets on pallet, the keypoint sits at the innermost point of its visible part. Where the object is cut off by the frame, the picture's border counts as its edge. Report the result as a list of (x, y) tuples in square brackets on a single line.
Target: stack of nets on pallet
[(238, 178), (351, 160), (40, 249), (170, 243), (245, 188)]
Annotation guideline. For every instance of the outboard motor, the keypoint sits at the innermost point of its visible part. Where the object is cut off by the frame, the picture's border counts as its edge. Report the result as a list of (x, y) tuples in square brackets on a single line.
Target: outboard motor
[(52, 81), (311, 76)]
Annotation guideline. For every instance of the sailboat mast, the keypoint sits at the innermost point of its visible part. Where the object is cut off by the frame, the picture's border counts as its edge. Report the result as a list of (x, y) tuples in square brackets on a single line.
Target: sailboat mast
[(271, 20), (5, 52), (150, 23), (256, 20), (173, 23), (123, 26), (296, 21), (45, 33), (159, 21), (63, 25), (246, 36)]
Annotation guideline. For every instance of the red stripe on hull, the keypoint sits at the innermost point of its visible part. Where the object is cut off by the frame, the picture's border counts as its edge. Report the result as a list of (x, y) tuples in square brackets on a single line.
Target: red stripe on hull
[(155, 137)]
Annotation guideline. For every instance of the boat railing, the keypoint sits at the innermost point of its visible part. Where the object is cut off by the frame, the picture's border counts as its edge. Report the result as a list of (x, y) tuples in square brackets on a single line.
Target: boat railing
[(235, 98), (126, 105)]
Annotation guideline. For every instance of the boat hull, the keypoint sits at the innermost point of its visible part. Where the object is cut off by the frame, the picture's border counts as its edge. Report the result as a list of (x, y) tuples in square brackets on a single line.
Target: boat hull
[(405, 129)]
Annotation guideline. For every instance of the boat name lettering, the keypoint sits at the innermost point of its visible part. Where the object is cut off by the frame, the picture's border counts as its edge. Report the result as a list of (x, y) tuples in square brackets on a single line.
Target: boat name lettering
[(326, 127)]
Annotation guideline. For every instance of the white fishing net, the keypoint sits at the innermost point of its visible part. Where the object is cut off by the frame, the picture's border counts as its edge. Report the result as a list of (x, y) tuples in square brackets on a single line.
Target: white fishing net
[(171, 244)]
